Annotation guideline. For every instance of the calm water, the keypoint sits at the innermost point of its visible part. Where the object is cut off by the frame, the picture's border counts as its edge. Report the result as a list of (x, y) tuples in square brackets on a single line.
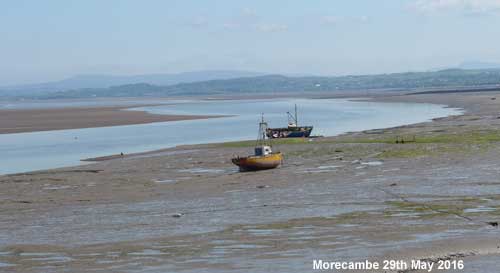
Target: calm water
[(43, 150)]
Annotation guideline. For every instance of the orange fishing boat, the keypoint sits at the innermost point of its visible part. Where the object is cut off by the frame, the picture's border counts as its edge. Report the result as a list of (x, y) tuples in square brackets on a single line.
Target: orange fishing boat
[(258, 162), (264, 158)]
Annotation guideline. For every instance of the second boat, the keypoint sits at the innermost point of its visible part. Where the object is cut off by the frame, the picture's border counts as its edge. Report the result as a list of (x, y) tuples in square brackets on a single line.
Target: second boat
[(293, 130)]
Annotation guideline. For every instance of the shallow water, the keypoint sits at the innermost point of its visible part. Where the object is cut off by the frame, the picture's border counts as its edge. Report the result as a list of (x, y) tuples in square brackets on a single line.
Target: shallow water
[(43, 150)]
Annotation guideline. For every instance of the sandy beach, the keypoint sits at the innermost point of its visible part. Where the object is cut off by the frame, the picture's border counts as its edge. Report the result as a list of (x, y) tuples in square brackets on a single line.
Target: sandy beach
[(348, 198), (32, 120)]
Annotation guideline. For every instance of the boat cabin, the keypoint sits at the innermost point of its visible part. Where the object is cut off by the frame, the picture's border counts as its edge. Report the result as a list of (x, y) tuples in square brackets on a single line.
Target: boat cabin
[(263, 150)]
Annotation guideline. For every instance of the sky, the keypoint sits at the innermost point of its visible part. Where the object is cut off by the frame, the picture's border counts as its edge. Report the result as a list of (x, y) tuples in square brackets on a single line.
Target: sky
[(55, 39)]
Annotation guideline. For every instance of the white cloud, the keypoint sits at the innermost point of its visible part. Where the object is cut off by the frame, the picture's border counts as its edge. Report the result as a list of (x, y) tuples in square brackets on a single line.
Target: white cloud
[(247, 18), (199, 22), (465, 6), (330, 20), (248, 12), (271, 27), (335, 20), (231, 25), (363, 19)]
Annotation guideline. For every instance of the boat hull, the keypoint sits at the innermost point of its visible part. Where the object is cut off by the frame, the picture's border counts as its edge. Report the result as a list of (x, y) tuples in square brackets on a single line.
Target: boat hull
[(290, 132), (257, 163)]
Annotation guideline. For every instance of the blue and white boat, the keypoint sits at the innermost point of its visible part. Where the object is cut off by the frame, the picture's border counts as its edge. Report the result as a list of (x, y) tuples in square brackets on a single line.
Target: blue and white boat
[(293, 130)]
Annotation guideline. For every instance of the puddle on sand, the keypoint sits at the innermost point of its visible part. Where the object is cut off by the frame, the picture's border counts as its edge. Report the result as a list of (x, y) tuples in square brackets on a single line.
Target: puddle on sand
[(320, 169), (201, 170), (410, 214), (440, 235), (284, 254), (53, 259), (49, 257), (241, 246), (165, 181), (223, 241), (264, 232), (223, 250), (326, 167), (348, 225), (147, 252), (53, 188), (372, 163), (392, 170), (6, 264), (88, 255), (479, 209), (108, 261), (30, 254), (233, 191), (331, 243)]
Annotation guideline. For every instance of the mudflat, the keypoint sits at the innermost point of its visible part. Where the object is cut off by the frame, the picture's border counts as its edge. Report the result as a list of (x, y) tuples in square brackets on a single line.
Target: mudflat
[(427, 192), (32, 120)]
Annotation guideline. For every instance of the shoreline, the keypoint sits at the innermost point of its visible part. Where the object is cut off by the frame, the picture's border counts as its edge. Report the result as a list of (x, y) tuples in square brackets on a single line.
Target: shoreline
[(312, 138), (39, 120), (117, 155)]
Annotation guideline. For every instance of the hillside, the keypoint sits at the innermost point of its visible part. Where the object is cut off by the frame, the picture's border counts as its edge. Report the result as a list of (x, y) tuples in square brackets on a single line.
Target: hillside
[(451, 78), (106, 81)]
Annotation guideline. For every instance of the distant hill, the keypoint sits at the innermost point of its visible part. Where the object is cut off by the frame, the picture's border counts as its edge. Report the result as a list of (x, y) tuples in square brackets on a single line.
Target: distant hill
[(105, 81), (450, 78), (470, 65), (479, 65)]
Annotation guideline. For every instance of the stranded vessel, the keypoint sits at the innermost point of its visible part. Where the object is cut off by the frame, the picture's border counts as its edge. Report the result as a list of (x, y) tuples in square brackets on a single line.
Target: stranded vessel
[(293, 130), (264, 158)]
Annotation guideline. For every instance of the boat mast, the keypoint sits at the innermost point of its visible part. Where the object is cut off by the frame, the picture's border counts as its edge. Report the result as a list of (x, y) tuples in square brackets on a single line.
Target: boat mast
[(292, 118), (296, 117), (261, 138)]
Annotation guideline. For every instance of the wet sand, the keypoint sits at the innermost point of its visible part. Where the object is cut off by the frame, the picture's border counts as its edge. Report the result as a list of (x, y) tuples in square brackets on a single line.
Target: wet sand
[(32, 120), (348, 198)]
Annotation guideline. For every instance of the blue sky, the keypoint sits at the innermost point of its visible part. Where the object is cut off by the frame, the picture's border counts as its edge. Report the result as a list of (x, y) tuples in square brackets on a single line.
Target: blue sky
[(54, 39)]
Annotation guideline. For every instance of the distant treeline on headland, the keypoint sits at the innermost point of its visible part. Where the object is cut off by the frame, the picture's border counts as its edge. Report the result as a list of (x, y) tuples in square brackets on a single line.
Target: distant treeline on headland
[(444, 79)]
